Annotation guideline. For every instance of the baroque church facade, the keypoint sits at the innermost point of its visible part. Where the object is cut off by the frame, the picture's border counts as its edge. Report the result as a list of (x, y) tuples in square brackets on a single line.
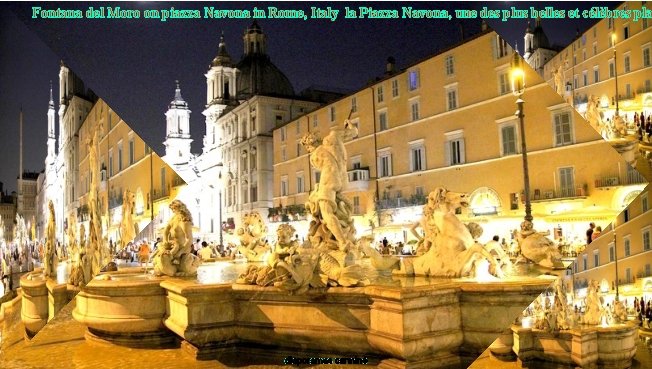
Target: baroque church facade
[(245, 102)]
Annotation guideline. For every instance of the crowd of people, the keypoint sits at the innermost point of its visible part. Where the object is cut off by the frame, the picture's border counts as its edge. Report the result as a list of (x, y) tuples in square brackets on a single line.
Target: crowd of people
[(643, 126), (643, 311)]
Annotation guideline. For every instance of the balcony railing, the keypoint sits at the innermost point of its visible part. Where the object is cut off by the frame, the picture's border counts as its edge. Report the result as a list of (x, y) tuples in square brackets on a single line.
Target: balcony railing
[(632, 177), (579, 190), (358, 179), (400, 202)]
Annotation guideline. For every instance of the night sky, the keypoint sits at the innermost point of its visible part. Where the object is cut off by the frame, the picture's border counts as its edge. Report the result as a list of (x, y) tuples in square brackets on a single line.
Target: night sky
[(132, 64)]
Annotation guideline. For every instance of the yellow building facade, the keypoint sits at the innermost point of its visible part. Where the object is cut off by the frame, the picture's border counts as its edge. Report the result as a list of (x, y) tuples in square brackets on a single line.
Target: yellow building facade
[(592, 62), (449, 121), (126, 163), (630, 245)]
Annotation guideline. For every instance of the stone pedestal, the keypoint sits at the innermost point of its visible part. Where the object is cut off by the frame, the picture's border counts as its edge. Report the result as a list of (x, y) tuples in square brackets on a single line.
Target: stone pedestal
[(57, 297), (124, 311), (488, 310), (34, 310)]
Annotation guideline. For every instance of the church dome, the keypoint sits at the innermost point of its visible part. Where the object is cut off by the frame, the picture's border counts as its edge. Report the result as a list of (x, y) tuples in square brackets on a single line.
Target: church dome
[(259, 76)]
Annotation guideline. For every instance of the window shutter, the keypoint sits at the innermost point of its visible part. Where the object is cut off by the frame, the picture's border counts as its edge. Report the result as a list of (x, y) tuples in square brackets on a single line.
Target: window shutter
[(448, 152), (462, 151)]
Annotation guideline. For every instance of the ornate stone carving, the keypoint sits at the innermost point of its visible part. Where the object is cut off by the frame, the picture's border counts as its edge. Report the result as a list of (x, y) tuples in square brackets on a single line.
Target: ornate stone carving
[(593, 311), (252, 235), (49, 255), (537, 247), (127, 227), (174, 255)]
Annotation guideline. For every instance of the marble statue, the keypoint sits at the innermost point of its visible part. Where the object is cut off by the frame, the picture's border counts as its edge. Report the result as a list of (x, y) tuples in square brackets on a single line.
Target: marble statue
[(537, 247), (559, 80), (50, 258), (72, 236), (565, 318), (174, 255), (127, 226), (81, 264), (333, 226), (619, 313), (329, 261), (252, 235), (453, 252), (593, 310), (593, 114)]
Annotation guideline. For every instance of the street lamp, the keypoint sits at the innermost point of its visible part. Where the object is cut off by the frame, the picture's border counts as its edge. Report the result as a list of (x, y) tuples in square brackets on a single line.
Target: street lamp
[(616, 259), (518, 87), (613, 45)]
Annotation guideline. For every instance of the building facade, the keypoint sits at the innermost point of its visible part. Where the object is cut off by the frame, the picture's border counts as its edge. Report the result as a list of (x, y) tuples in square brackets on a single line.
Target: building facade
[(449, 121), (613, 55), (245, 102)]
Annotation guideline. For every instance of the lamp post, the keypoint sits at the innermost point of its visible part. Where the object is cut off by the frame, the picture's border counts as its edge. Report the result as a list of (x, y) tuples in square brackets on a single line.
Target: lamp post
[(613, 45), (616, 260), (518, 87)]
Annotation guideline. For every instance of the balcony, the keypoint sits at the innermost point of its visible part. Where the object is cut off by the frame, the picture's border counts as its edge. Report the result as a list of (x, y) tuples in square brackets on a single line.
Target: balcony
[(560, 193), (400, 202), (631, 178), (358, 180)]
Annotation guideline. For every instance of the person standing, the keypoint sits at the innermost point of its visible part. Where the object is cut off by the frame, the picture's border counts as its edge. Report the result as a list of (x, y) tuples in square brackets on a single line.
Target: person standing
[(143, 253), (589, 233)]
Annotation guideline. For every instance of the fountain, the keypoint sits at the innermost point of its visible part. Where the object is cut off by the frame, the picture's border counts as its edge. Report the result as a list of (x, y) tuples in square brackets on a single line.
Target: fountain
[(127, 226), (615, 132), (252, 235), (553, 332), (289, 299)]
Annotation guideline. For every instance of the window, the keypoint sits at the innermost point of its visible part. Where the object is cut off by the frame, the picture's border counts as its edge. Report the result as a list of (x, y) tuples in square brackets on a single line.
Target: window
[(628, 250), (395, 88), (628, 275), (283, 134), (646, 57), (503, 82), (284, 185), (379, 94), (610, 23), (576, 83), (566, 182), (300, 187), (585, 261), (585, 78), (131, 151), (508, 139), (646, 239), (382, 120), (284, 155), (583, 54), (611, 252), (279, 121), (384, 164), (502, 48), (596, 75), (644, 23), (625, 32), (354, 104), (110, 163), (298, 148), (163, 182), (451, 98), (595, 47), (563, 129), (332, 113), (627, 66), (628, 90), (648, 270), (254, 192), (413, 80), (315, 122), (644, 202), (417, 156), (455, 148), (450, 65), (612, 69), (120, 156), (596, 258), (356, 204), (414, 108)]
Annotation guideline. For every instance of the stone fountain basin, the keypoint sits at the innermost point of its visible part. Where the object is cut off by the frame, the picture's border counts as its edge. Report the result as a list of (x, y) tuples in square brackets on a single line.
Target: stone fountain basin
[(612, 346), (34, 310), (127, 309)]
